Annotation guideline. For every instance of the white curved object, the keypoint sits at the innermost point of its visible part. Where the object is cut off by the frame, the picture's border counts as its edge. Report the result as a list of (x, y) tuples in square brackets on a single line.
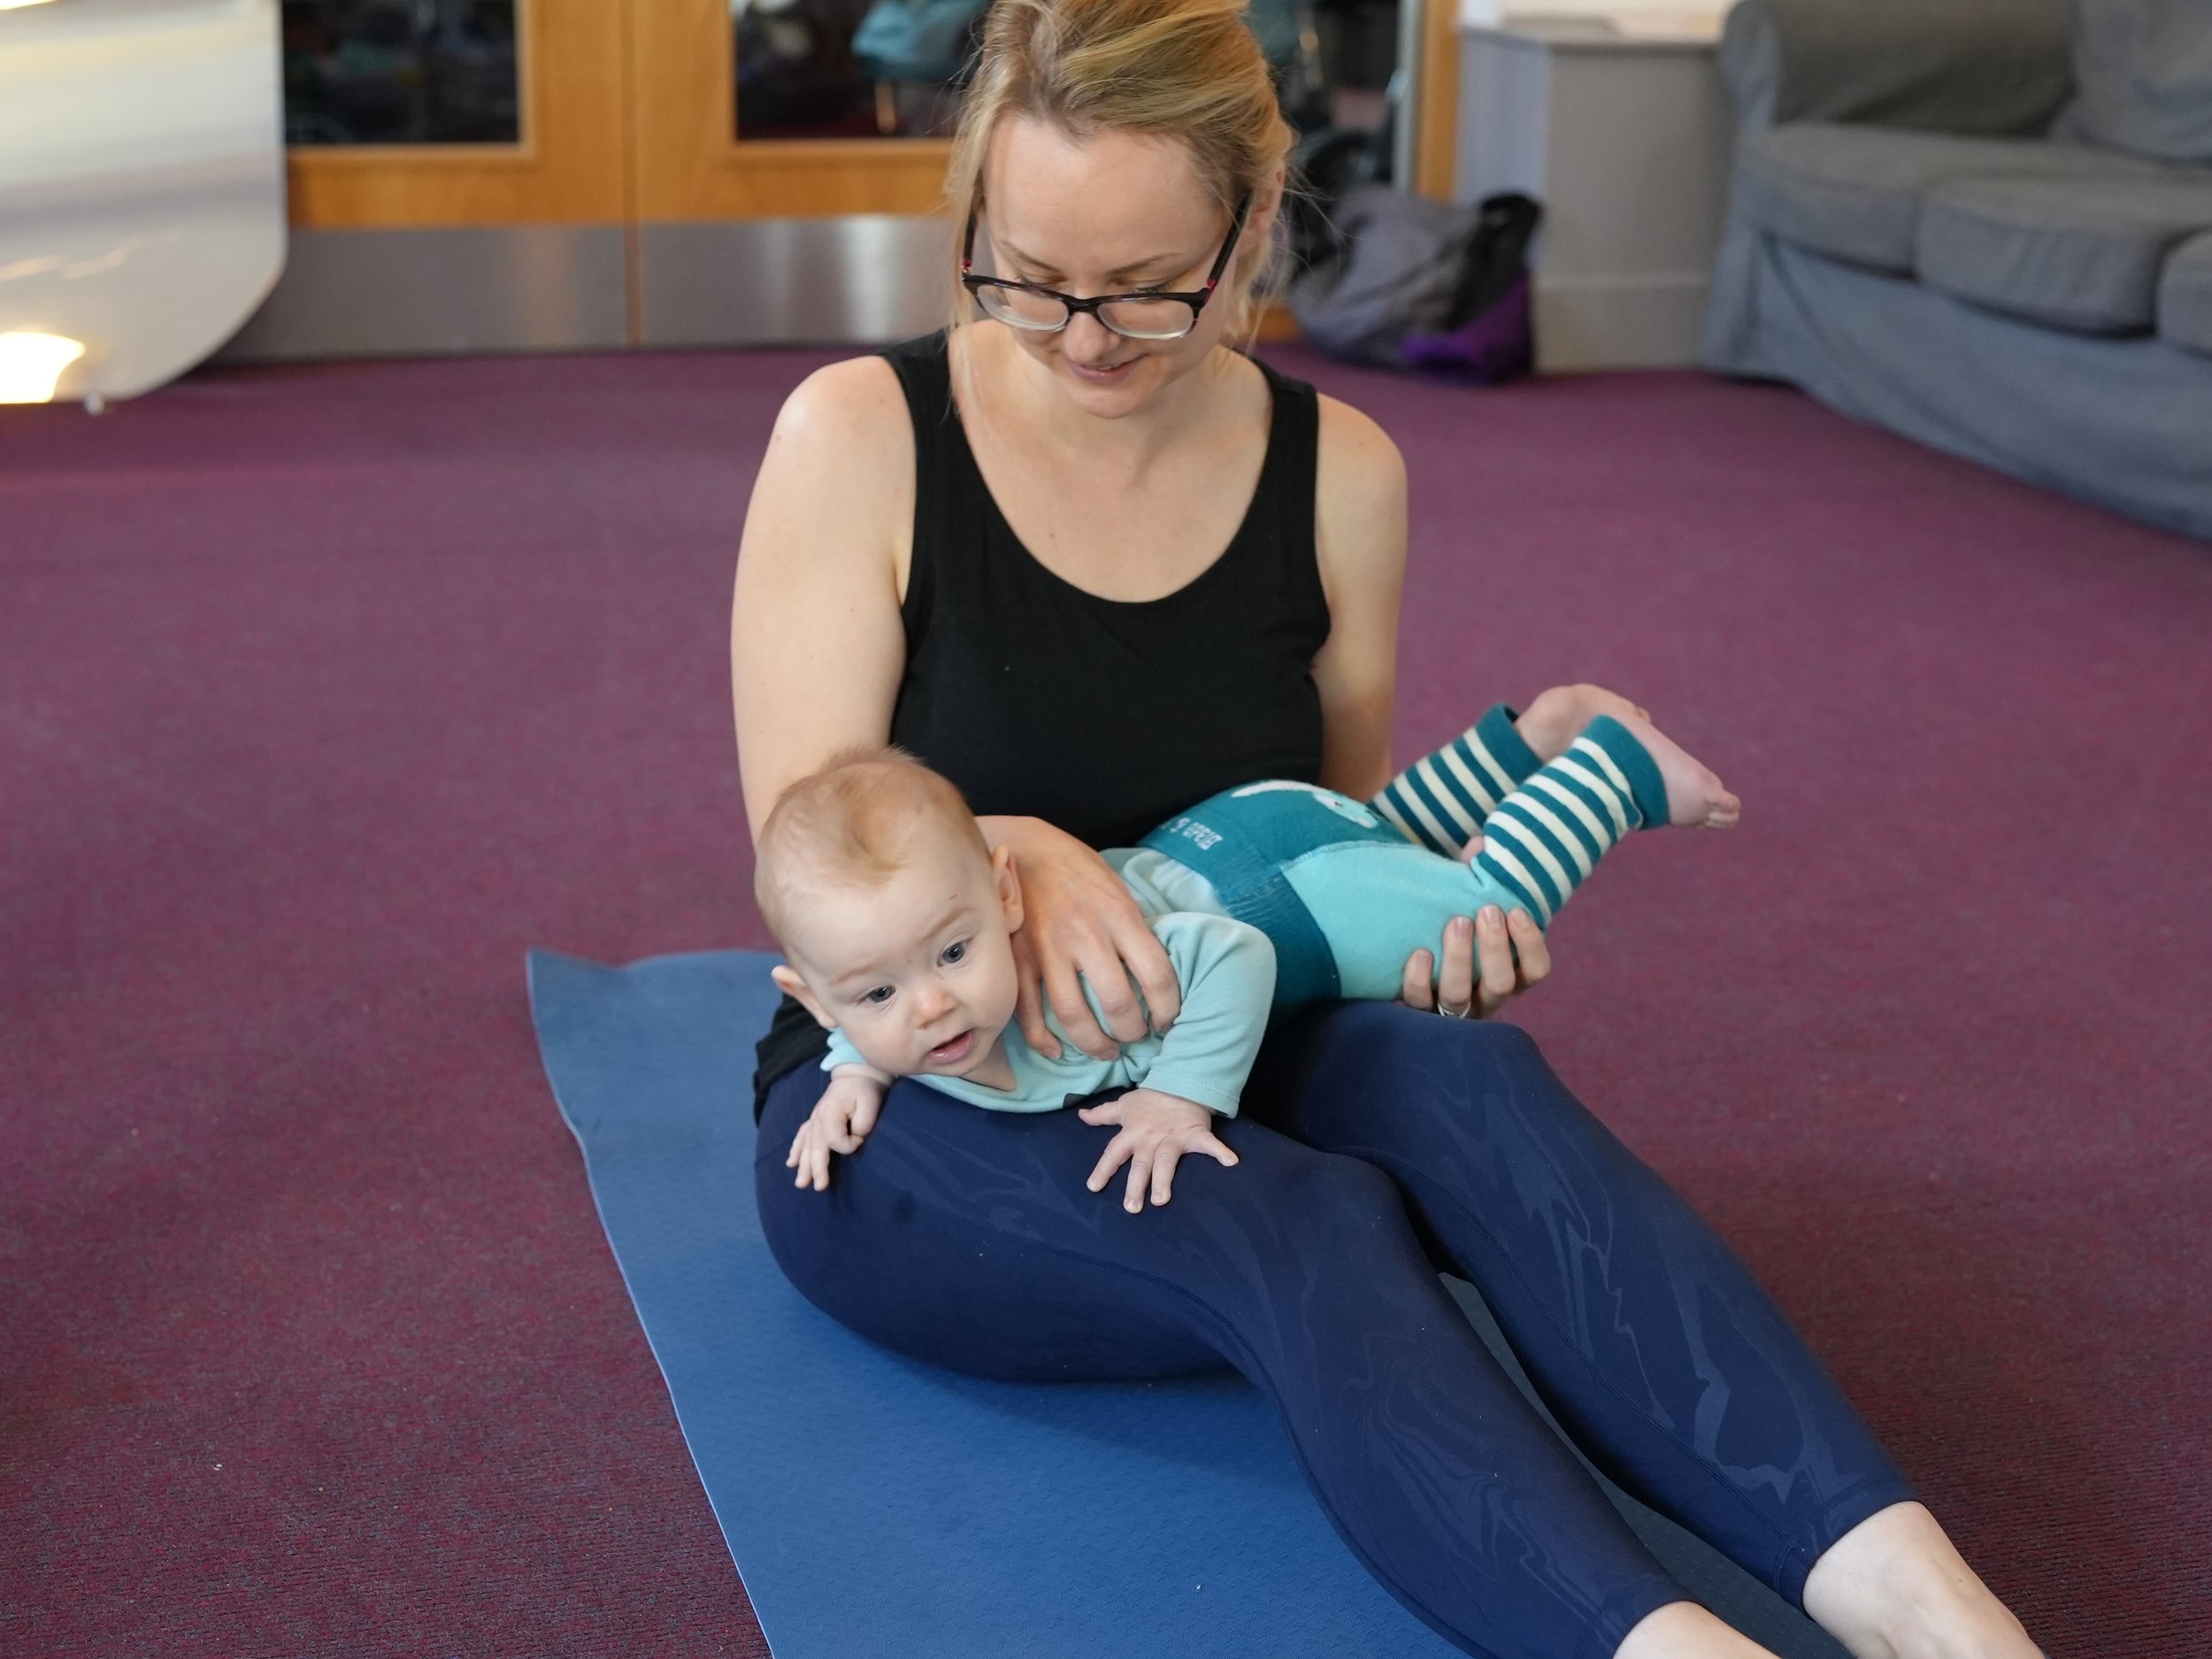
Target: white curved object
[(142, 189)]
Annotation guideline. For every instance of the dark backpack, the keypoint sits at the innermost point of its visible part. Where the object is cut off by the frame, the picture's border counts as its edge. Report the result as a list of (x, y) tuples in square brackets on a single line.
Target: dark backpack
[(1408, 283)]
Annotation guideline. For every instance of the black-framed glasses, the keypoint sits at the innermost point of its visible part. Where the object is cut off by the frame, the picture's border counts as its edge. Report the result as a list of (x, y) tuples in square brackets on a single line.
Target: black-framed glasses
[(1147, 316)]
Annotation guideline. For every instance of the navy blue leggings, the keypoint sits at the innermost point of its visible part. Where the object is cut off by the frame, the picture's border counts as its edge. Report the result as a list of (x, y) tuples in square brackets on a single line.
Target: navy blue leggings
[(1378, 1145)]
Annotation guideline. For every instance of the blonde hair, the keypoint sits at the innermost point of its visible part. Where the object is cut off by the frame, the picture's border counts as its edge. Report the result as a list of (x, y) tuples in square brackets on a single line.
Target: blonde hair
[(1188, 69), (857, 818)]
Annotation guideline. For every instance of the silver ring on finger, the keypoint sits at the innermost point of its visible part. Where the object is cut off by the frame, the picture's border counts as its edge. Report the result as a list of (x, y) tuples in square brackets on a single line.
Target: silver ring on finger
[(1449, 1012)]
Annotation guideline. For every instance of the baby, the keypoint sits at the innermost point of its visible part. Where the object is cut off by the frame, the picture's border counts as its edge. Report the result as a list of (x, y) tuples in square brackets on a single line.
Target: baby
[(896, 917)]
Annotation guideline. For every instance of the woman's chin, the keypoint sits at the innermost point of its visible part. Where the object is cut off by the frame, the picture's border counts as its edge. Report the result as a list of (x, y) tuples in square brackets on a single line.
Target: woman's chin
[(1124, 392), (1118, 372)]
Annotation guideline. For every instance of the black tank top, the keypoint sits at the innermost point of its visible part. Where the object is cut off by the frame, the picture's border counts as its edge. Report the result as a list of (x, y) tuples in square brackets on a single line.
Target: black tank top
[(1101, 716)]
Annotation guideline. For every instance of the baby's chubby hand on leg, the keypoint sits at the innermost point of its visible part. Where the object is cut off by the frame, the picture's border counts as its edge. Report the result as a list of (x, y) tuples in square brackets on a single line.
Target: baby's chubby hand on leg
[(841, 1120), (1154, 1131)]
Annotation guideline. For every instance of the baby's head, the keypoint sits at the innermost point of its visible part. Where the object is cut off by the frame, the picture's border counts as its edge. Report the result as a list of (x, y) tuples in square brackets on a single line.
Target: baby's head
[(894, 916)]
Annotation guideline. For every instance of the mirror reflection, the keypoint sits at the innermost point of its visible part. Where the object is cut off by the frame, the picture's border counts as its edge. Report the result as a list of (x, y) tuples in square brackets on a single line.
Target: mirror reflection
[(401, 72)]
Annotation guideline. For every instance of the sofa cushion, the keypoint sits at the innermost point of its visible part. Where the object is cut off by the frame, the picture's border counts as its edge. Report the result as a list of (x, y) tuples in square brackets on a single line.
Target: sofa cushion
[(2185, 296), (2142, 78), (2082, 254), (1853, 193)]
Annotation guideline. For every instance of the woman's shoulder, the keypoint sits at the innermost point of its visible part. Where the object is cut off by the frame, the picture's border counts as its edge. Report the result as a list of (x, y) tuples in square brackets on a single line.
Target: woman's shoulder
[(1357, 458), (834, 496), (1359, 497), (844, 438), (855, 400)]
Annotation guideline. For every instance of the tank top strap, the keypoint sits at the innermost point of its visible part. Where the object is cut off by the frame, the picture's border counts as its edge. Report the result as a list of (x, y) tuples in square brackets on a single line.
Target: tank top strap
[(1280, 525), (947, 489), (925, 372)]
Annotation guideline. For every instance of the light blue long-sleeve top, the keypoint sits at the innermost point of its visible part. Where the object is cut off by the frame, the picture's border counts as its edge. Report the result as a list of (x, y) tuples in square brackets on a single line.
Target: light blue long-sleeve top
[(1226, 969)]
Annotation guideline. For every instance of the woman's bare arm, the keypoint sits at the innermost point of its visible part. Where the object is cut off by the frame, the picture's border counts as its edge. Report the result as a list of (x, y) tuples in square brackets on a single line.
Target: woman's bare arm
[(817, 646), (1360, 541)]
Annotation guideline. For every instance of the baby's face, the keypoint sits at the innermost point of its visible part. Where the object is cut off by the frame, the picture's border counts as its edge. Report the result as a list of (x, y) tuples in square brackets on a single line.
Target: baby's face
[(918, 971)]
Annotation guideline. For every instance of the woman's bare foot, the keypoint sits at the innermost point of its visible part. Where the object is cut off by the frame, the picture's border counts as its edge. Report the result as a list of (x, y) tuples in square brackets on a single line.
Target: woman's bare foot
[(1695, 798), (1684, 1630), (1894, 1587)]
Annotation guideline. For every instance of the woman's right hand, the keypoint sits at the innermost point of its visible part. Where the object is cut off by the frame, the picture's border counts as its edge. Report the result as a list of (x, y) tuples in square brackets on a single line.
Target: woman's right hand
[(1077, 919), (1508, 948)]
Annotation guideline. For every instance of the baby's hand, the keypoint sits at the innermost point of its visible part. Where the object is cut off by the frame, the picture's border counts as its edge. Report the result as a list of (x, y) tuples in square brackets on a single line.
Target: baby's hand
[(843, 1115), (1155, 1131)]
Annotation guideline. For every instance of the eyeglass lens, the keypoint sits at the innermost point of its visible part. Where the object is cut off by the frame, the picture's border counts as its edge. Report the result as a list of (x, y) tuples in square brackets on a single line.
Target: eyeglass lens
[(1138, 318)]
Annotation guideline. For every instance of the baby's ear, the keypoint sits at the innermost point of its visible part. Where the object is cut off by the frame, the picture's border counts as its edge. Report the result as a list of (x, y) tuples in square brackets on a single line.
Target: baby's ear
[(1007, 881), (791, 985)]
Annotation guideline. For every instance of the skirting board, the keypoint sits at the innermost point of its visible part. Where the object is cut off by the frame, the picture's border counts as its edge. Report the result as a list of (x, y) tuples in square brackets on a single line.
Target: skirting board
[(408, 293), (854, 280), (865, 279), (861, 278)]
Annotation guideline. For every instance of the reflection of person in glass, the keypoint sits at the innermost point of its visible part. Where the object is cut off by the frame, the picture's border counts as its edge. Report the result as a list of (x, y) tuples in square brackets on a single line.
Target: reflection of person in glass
[(1093, 576), (415, 72), (796, 74), (850, 68), (371, 78)]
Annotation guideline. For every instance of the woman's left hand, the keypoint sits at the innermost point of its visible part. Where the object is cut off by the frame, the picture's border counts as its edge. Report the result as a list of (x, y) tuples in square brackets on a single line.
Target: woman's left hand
[(1509, 949)]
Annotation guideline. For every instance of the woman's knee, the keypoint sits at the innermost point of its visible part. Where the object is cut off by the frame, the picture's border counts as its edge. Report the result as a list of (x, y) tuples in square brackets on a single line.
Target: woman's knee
[(949, 1237), (1392, 1055), (1328, 1192), (1310, 1220)]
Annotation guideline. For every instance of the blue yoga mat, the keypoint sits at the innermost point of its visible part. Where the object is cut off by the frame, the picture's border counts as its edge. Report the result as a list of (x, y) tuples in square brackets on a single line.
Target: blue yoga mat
[(877, 1505)]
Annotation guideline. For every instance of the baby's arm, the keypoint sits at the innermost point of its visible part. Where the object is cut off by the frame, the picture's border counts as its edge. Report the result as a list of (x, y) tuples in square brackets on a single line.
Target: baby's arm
[(842, 1118), (1227, 971)]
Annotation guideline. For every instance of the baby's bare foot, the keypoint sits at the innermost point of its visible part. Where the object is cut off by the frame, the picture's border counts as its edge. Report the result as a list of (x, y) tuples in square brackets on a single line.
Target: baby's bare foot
[(1695, 797), (1556, 717)]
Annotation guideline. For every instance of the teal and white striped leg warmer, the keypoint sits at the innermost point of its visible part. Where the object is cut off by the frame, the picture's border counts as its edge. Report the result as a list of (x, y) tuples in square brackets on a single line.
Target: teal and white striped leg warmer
[(1442, 800), (1548, 835)]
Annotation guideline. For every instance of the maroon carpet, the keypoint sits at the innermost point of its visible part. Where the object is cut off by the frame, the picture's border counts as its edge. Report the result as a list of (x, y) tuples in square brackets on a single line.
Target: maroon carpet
[(323, 693)]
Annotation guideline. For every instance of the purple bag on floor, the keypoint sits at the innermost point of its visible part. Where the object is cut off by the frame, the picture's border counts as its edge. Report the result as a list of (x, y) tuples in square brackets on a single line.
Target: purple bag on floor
[(1439, 287)]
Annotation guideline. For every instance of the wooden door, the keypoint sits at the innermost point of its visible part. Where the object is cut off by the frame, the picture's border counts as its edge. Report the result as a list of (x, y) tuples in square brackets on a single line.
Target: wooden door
[(565, 166), (779, 197)]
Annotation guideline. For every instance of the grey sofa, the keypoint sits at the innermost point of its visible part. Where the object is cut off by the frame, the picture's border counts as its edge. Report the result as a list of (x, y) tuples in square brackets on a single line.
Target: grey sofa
[(1986, 225)]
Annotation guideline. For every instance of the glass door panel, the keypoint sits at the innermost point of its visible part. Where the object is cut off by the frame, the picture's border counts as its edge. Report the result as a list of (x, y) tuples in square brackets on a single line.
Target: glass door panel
[(401, 72), (851, 68), (749, 110), (448, 112)]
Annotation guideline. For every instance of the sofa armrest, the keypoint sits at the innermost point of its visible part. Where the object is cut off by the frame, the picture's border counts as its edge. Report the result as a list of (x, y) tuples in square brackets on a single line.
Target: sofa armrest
[(1998, 67)]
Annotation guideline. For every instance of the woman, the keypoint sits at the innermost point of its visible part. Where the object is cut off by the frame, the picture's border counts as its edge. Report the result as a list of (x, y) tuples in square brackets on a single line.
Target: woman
[(1093, 564)]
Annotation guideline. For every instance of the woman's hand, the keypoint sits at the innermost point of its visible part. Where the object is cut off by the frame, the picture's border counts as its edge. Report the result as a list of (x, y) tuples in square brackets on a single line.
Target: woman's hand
[(1079, 919), (1495, 938), (841, 1120), (1155, 1131)]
